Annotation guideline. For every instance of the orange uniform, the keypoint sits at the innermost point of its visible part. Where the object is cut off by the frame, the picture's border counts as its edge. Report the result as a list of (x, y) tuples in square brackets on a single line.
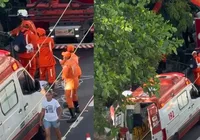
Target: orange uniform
[(16, 31), (46, 59), (25, 57), (197, 72), (28, 28), (70, 72), (78, 73), (69, 78), (74, 57)]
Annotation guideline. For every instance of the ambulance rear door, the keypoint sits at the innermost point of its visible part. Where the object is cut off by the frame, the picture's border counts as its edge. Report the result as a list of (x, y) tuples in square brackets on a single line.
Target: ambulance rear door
[(154, 121)]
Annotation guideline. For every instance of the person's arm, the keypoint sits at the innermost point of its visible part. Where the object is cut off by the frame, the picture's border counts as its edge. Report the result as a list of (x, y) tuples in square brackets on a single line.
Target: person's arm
[(42, 113), (52, 43), (15, 31), (79, 71), (42, 116), (62, 62), (59, 109)]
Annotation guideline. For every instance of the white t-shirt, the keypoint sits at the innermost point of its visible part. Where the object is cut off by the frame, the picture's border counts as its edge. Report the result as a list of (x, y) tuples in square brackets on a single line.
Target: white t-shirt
[(50, 110)]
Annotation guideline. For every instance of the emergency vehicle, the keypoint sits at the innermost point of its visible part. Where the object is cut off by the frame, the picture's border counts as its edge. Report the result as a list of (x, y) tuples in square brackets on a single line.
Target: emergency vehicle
[(169, 117), (73, 25), (20, 101)]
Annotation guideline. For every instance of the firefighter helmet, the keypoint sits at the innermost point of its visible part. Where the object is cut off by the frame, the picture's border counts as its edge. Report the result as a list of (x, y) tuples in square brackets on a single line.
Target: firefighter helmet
[(41, 32)]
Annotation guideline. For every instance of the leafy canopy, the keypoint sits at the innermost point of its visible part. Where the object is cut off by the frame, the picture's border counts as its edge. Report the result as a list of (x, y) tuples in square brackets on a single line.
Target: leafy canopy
[(179, 12), (129, 43), (2, 3)]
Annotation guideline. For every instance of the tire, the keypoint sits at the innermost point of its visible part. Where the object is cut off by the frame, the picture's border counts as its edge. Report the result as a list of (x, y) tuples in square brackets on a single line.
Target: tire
[(40, 135), (176, 136)]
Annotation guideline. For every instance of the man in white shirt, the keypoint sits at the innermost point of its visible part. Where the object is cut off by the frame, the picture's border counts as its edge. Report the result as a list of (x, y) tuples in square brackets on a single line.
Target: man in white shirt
[(50, 115)]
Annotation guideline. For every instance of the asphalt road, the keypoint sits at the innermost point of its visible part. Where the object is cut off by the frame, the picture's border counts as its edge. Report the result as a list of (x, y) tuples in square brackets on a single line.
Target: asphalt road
[(85, 122)]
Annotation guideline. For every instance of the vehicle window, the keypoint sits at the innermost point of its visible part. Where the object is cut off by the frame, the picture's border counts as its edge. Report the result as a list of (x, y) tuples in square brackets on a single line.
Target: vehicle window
[(26, 82), (194, 93), (182, 100), (8, 98)]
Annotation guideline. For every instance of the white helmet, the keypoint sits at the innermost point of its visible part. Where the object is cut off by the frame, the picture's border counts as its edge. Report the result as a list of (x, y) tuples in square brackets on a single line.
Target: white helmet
[(22, 12)]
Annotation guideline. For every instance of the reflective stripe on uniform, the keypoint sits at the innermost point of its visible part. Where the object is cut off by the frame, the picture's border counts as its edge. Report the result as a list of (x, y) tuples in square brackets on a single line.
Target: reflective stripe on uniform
[(51, 72), (27, 39), (30, 63), (50, 47)]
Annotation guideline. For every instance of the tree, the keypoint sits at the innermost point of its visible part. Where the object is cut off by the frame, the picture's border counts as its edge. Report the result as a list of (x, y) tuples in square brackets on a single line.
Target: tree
[(181, 14), (129, 43), (3, 3)]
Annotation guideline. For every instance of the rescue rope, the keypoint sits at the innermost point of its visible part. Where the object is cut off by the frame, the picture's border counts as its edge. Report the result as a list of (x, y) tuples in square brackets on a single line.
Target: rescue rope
[(196, 79), (47, 89), (74, 52), (48, 35)]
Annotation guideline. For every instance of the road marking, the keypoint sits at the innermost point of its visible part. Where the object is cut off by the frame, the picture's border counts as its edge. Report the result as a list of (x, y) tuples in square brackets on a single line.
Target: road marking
[(77, 122), (91, 104), (92, 98)]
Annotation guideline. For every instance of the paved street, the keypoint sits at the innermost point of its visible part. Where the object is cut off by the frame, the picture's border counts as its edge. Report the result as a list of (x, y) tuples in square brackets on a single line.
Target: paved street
[(85, 92), (193, 134)]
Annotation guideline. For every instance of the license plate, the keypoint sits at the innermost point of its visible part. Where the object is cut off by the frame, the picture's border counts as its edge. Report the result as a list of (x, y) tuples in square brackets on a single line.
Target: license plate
[(64, 32)]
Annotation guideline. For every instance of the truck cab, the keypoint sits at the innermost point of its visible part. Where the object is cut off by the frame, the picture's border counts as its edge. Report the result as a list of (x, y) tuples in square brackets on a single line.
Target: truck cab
[(20, 101)]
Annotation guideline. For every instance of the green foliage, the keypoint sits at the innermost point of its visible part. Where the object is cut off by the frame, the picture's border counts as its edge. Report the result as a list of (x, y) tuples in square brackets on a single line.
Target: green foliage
[(129, 43), (2, 3), (179, 12)]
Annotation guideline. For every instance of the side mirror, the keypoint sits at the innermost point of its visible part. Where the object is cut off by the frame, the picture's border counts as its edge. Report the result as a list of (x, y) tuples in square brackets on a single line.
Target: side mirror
[(194, 93), (37, 85)]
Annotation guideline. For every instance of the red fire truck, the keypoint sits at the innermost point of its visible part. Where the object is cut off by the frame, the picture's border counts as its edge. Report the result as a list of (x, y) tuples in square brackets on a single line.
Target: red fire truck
[(73, 25)]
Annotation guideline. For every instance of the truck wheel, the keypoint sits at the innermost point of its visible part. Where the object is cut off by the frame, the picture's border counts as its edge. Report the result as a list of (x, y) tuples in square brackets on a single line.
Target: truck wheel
[(40, 135), (176, 136)]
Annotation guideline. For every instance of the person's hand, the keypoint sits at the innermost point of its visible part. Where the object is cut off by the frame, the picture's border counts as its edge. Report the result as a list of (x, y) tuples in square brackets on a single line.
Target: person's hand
[(40, 123), (58, 120)]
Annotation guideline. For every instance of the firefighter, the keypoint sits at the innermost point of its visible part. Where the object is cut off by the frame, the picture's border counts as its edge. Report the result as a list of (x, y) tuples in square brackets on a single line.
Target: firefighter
[(70, 78), (195, 69), (70, 48), (26, 53), (77, 75), (46, 59)]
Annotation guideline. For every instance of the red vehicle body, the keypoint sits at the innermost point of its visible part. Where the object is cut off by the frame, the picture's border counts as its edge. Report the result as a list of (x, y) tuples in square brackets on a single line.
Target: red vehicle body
[(73, 25)]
